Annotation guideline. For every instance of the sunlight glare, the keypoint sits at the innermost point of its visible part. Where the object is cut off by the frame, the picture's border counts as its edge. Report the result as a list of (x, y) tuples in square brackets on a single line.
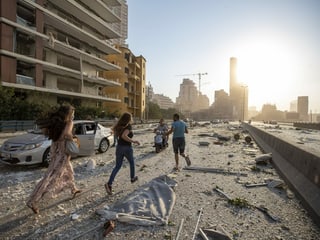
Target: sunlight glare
[(267, 69)]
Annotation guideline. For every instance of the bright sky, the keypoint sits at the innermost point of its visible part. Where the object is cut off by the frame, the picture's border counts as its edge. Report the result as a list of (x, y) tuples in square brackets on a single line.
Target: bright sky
[(276, 42)]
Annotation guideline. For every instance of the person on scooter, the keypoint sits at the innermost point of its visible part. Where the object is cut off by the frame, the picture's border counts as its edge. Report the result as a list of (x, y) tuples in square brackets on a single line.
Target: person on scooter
[(163, 128)]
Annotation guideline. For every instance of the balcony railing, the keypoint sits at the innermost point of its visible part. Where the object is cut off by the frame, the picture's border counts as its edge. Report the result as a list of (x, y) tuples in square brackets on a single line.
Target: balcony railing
[(25, 23), (21, 79)]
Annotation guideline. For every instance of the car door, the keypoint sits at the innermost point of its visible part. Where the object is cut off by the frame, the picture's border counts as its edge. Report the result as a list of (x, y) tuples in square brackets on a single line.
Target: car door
[(85, 131)]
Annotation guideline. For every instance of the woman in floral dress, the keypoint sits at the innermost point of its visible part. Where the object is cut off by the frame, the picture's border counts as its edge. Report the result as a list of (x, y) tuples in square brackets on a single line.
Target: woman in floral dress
[(59, 176)]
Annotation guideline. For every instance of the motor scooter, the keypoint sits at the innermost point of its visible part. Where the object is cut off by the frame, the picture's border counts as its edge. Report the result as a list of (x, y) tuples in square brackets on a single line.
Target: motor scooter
[(160, 141)]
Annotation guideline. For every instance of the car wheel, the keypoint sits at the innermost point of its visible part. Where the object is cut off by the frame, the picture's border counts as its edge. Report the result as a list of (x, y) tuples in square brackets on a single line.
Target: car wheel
[(46, 157), (104, 145)]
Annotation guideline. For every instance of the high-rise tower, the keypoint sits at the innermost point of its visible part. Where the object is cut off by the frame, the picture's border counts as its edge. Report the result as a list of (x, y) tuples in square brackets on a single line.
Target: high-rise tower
[(303, 105), (238, 93), (233, 77)]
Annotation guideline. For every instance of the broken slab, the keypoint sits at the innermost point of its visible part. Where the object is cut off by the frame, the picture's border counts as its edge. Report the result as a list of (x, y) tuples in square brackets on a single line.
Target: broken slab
[(204, 143), (215, 170), (264, 159), (218, 233), (276, 183)]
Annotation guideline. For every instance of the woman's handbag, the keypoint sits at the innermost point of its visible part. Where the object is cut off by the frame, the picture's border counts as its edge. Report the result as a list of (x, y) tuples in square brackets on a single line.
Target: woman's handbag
[(72, 147)]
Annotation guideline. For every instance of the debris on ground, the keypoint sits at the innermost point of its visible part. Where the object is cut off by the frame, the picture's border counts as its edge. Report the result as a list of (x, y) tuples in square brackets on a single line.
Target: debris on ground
[(244, 203), (108, 227), (196, 228), (264, 159), (204, 143), (276, 183), (179, 229), (248, 139), (215, 170), (217, 233)]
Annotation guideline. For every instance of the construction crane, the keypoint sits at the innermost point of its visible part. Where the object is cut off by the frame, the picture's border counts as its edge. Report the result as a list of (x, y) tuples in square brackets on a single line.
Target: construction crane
[(195, 74)]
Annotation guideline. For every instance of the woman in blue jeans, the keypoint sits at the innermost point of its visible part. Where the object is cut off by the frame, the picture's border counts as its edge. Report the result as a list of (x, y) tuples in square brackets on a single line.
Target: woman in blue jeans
[(123, 130)]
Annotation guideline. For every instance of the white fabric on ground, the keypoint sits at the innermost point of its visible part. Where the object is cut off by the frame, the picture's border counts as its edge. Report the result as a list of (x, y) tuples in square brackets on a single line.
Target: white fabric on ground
[(150, 204)]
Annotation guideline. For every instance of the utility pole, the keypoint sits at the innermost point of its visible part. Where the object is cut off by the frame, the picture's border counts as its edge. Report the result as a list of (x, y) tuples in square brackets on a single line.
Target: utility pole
[(244, 101)]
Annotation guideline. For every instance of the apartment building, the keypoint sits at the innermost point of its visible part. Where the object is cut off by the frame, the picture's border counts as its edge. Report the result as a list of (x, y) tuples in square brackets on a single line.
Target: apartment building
[(132, 88), (56, 49), (190, 99), (163, 101), (303, 107)]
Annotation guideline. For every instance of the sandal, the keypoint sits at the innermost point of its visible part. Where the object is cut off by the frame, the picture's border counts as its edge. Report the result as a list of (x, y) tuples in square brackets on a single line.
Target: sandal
[(108, 188), (188, 160), (75, 192), (33, 208), (134, 179), (176, 169)]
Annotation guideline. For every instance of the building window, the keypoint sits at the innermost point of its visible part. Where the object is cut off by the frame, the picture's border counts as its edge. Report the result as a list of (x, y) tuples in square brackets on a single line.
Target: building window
[(25, 44), (127, 56), (126, 70), (126, 100), (126, 85)]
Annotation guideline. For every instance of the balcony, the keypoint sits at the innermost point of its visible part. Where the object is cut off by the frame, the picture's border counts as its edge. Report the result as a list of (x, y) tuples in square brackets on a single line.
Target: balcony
[(59, 92), (134, 64), (112, 2), (133, 76), (21, 79), (71, 51), (60, 70), (100, 8), (25, 23), (70, 29), (87, 17)]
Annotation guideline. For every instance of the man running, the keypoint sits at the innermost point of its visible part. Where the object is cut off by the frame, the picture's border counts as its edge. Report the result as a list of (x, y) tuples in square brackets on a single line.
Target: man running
[(179, 128)]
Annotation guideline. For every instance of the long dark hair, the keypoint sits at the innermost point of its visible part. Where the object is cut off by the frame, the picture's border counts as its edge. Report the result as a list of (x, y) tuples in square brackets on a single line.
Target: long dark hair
[(123, 122), (55, 121)]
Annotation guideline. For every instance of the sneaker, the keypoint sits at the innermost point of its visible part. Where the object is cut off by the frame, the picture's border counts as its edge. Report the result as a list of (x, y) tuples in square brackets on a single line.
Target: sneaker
[(134, 179), (188, 160), (108, 188)]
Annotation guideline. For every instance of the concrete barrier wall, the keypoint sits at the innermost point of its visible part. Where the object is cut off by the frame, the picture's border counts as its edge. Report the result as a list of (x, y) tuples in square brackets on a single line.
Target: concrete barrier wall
[(299, 168), (307, 125)]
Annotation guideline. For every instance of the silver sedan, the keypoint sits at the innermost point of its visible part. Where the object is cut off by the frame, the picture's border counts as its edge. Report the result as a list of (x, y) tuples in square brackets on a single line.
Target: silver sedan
[(34, 147)]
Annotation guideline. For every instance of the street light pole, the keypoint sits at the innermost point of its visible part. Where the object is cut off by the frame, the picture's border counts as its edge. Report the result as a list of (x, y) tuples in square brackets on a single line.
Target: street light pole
[(244, 101)]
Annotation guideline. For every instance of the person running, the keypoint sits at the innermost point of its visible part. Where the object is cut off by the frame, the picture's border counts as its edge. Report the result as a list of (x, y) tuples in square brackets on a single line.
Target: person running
[(179, 128), (123, 130), (58, 127)]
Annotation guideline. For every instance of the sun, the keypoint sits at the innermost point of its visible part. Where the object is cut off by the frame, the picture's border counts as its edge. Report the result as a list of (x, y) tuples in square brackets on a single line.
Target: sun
[(267, 68)]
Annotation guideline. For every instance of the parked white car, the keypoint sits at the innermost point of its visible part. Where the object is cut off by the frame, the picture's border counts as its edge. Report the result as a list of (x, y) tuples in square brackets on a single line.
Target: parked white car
[(34, 147)]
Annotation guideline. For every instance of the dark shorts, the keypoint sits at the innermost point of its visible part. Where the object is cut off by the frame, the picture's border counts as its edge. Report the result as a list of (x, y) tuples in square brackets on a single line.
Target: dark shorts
[(178, 144)]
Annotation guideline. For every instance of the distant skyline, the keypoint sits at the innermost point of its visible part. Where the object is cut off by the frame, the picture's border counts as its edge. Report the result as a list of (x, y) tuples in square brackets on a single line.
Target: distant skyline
[(276, 43)]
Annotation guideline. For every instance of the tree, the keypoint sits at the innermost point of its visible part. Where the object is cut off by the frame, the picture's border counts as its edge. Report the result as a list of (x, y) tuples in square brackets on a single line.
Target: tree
[(154, 111), (14, 106), (168, 113), (7, 100)]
